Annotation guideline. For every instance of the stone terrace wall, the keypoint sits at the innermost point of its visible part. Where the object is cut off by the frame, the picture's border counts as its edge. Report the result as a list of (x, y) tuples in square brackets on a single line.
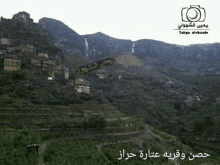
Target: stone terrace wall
[(96, 134), (93, 130)]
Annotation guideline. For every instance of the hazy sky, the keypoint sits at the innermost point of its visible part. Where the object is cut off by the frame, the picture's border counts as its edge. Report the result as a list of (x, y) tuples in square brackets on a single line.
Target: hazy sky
[(123, 19)]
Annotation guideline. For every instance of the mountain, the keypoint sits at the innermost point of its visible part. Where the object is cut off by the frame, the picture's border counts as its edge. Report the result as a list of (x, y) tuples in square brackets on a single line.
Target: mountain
[(83, 49), (105, 45), (70, 42), (21, 30), (102, 45), (62, 33)]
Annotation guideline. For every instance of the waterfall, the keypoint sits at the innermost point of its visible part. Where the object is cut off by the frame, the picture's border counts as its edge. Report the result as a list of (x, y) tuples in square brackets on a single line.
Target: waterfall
[(132, 51), (182, 47), (182, 51), (215, 53), (94, 52), (205, 53), (87, 47)]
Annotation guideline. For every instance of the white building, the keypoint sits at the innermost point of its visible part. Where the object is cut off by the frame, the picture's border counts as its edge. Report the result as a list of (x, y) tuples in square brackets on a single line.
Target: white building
[(82, 86), (82, 89), (66, 72), (41, 54)]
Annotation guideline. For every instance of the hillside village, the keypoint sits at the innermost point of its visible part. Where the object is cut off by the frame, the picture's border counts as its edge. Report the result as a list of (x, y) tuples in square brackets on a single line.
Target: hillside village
[(25, 45), (129, 104), (16, 53)]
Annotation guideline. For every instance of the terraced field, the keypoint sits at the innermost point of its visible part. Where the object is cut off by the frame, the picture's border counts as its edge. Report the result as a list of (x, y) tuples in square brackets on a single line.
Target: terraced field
[(109, 150), (121, 131)]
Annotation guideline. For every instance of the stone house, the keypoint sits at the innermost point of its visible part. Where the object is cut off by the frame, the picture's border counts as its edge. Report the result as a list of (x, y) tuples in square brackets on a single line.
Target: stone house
[(5, 41), (82, 89), (61, 72), (66, 75), (58, 72), (44, 81), (27, 48), (22, 17), (36, 62), (2, 51), (66, 72), (11, 62), (47, 65), (82, 86), (43, 54), (11, 48)]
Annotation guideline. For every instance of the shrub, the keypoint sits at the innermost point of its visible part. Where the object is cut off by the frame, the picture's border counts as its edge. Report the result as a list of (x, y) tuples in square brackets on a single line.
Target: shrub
[(97, 122), (17, 75)]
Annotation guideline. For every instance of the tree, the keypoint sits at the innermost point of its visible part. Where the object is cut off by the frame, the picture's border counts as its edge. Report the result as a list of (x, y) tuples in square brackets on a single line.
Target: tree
[(209, 121), (18, 75), (97, 122), (198, 126)]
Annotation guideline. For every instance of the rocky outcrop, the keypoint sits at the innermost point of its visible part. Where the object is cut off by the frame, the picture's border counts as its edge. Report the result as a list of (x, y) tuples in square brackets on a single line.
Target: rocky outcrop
[(99, 46), (21, 29), (63, 35)]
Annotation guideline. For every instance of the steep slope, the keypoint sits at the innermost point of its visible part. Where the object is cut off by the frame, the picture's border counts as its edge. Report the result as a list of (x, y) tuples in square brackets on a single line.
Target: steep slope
[(128, 60), (62, 33), (71, 43), (24, 31), (102, 45), (81, 50), (31, 33)]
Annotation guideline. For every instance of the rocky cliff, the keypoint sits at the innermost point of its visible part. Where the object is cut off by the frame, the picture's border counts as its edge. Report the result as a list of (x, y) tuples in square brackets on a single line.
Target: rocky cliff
[(21, 31), (102, 46)]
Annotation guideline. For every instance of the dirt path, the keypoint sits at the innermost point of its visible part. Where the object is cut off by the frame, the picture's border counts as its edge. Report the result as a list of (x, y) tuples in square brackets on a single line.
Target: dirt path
[(44, 144)]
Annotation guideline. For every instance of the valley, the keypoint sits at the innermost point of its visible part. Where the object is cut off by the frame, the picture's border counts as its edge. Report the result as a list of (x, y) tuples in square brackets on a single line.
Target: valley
[(80, 99)]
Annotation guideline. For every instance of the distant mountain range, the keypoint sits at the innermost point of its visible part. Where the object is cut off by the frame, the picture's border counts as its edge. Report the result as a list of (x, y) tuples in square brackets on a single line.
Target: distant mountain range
[(102, 46)]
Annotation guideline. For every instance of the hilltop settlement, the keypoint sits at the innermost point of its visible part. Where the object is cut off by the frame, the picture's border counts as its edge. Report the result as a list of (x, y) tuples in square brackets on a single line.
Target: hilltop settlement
[(27, 45)]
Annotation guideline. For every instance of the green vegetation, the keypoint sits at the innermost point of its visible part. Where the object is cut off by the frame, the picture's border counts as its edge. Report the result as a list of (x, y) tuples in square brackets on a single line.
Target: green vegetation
[(162, 134), (17, 87), (131, 97), (112, 153), (14, 148), (94, 122), (75, 152)]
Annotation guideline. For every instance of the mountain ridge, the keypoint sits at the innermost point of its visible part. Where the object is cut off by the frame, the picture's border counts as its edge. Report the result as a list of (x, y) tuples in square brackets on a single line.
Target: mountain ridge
[(102, 45)]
